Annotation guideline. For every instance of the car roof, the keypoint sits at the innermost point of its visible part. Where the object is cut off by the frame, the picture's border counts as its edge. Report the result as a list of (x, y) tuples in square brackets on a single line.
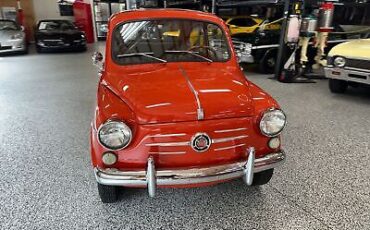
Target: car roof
[(164, 13), (148, 10)]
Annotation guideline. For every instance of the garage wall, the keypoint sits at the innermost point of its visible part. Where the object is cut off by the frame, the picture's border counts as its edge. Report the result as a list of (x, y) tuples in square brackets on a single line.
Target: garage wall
[(47, 9)]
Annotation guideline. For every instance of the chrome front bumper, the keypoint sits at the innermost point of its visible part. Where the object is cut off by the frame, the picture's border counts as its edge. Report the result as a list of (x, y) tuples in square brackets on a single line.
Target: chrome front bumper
[(151, 178), (349, 74)]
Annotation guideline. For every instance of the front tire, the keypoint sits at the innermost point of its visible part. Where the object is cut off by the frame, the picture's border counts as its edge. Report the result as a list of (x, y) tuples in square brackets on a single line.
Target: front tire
[(263, 177), (268, 62), (107, 193), (337, 86)]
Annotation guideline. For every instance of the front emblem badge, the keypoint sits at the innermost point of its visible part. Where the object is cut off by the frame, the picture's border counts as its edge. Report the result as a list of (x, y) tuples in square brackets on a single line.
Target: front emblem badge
[(201, 142)]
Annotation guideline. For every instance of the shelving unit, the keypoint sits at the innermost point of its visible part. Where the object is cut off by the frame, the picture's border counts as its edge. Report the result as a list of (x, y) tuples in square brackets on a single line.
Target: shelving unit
[(103, 9)]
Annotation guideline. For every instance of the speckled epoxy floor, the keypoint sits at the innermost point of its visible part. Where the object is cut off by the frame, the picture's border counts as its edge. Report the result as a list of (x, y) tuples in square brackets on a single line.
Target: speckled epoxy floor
[(46, 182)]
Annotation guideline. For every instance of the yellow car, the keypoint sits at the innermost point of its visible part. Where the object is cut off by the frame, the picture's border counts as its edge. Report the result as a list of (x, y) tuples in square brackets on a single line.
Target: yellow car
[(348, 65), (248, 24)]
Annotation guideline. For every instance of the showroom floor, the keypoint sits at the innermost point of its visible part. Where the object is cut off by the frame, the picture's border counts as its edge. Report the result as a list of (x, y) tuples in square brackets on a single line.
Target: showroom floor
[(47, 102)]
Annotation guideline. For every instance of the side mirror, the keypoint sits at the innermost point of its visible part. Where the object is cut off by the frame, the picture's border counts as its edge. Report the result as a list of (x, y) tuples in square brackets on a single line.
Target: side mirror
[(22, 28), (97, 59)]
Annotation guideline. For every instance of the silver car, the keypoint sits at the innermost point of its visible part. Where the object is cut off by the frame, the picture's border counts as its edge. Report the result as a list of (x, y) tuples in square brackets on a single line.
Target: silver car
[(12, 37)]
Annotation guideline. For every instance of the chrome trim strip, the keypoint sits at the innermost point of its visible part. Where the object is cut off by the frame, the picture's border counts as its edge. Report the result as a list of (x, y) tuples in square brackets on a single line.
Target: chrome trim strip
[(230, 147), (310, 43), (358, 69), (200, 111), (226, 139), (338, 41), (167, 144), (356, 58), (230, 130), (167, 153), (52, 40), (189, 176), (167, 135), (351, 57), (188, 143)]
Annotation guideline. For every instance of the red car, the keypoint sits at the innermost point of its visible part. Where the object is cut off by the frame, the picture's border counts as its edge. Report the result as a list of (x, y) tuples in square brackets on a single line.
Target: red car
[(174, 108)]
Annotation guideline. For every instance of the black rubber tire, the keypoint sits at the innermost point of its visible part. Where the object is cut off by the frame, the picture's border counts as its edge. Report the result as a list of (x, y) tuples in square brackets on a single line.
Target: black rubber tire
[(263, 177), (337, 86), (108, 194), (267, 63), (38, 50)]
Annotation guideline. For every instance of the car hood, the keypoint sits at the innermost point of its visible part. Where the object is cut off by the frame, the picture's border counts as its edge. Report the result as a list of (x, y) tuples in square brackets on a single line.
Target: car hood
[(358, 48), (174, 92), (5, 35)]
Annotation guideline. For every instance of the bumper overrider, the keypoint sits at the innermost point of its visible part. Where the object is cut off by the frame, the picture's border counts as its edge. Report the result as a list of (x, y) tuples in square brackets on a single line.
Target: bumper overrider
[(151, 178)]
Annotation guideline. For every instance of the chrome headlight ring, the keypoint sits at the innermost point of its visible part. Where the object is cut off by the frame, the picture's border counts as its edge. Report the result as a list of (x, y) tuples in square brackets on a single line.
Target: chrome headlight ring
[(339, 61), (273, 122), (114, 135)]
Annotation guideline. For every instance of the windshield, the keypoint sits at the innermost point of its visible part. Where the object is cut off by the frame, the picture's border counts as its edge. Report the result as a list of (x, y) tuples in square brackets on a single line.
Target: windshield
[(169, 41), (8, 25), (56, 25)]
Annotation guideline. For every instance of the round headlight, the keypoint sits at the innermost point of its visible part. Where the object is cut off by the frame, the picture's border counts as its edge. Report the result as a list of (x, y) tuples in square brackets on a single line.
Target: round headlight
[(115, 135), (272, 122), (339, 61)]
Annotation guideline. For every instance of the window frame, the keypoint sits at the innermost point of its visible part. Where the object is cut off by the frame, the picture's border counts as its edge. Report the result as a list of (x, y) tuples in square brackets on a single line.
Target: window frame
[(114, 59)]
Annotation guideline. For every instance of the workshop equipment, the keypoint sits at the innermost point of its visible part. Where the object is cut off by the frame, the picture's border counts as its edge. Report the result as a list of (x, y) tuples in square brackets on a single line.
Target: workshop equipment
[(326, 13)]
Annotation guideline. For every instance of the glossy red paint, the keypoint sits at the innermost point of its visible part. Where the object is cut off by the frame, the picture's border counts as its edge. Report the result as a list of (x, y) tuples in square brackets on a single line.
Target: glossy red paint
[(155, 99)]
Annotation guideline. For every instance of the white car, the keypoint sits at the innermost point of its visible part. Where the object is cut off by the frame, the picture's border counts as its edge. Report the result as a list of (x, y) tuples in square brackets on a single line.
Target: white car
[(348, 65), (12, 37)]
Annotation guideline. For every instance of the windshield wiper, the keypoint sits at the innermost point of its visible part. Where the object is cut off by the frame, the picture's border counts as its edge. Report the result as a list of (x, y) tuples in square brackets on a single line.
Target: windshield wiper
[(188, 52), (149, 55)]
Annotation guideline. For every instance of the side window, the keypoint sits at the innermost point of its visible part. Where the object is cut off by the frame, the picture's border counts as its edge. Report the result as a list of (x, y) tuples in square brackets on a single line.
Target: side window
[(237, 22), (244, 22), (250, 22)]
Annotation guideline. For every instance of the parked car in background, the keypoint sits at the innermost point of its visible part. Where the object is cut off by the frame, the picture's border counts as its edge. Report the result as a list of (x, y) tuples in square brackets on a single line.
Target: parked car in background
[(246, 24), (12, 37), (348, 65), (252, 32), (174, 108), (59, 35)]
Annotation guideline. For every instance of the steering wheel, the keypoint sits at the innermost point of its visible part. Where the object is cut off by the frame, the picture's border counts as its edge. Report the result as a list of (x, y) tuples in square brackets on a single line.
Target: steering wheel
[(204, 47)]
